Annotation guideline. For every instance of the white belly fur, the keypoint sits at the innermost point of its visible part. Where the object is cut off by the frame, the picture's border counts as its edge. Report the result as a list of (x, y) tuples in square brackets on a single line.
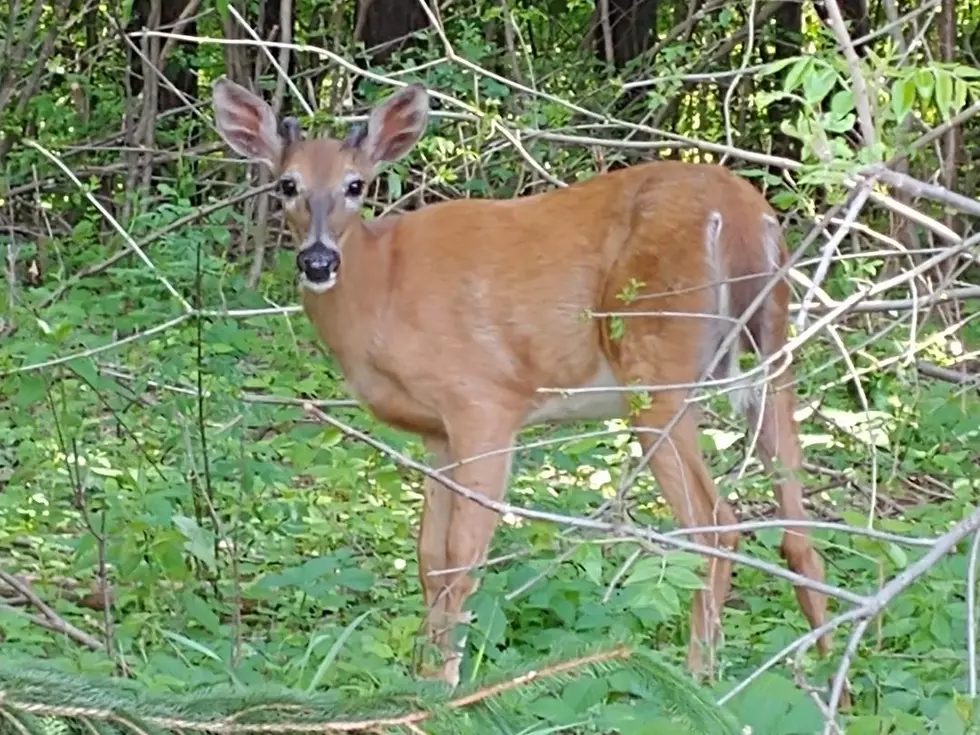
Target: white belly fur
[(589, 406)]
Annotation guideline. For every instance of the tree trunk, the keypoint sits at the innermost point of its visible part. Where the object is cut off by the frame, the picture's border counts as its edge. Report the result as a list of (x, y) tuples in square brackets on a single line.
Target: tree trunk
[(176, 67), (385, 26), (789, 27), (951, 145), (855, 13), (627, 30)]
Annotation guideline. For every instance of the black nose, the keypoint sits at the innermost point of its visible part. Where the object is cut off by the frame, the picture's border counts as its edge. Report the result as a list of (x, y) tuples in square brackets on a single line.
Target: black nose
[(318, 263)]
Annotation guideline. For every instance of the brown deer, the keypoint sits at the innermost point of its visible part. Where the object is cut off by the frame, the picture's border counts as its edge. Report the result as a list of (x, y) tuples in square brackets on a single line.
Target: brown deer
[(447, 321)]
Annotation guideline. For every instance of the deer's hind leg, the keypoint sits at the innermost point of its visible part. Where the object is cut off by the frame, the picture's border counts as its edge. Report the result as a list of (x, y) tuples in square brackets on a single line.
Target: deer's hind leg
[(655, 351), (686, 484)]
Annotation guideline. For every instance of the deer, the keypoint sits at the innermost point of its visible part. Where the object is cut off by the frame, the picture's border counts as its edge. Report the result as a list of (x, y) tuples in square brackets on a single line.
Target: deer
[(452, 322)]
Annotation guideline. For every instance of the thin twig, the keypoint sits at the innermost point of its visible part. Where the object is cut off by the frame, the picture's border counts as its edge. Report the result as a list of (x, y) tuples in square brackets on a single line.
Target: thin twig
[(112, 221), (862, 99)]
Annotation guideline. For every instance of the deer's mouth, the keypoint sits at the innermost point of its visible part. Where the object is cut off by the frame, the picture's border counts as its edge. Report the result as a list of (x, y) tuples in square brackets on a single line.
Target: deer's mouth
[(317, 287)]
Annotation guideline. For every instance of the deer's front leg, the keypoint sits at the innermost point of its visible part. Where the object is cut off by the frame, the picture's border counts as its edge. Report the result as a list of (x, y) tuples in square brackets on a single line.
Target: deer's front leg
[(470, 526), (433, 542)]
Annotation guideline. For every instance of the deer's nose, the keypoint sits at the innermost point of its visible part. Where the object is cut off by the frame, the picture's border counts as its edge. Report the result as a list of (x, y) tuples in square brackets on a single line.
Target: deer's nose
[(319, 262)]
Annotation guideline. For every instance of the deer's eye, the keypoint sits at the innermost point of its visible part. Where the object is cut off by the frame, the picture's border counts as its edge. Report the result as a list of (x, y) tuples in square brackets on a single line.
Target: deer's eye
[(355, 188), (287, 187)]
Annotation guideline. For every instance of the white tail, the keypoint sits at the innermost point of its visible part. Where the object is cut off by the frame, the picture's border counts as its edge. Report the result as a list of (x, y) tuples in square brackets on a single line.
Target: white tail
[(447, 321)]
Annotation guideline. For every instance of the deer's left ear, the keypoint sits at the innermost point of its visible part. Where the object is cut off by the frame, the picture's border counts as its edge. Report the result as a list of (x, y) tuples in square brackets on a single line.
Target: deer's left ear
[(396, 125)]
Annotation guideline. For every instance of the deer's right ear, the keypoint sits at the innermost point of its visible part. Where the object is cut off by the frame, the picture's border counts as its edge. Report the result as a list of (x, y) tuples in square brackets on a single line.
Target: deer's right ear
[(246, 123)]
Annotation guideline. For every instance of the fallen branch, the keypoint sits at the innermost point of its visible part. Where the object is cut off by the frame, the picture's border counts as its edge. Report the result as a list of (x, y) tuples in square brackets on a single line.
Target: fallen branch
[(51, 619), (950, 376)]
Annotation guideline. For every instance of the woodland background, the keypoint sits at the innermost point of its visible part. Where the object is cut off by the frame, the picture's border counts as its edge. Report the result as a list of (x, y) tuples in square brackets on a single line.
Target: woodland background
[(172, 517)]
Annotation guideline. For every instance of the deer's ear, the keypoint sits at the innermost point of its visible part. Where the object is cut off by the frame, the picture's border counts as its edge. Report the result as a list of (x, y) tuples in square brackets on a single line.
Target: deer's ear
[(247, 123), (396, 125)]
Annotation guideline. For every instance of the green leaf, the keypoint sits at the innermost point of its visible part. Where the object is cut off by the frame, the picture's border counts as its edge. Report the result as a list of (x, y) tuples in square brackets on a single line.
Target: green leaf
[(842, 102), (358, 580), (966, 72), (775, 66), (903, 97), (960, 90), (584, 445), (85, 369), (491, 620), (552, 709), (765, 98), (840, 125), (126, 12), (944, 92), (949, 721), (324, 666), (192, 644), (585, 693), (201, 613), (795, 74), (941, 629), (867, 725), (817, 85), (662, 597), (646, 569), (897, 555), (30, 391), (683, 578), (775, 705), (394, 185), (202, 649), (590, 557), (923, 84), (200, 543)]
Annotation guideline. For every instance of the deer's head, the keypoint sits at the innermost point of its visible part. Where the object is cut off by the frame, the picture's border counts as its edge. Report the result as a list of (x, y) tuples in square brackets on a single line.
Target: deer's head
[(322, 181)]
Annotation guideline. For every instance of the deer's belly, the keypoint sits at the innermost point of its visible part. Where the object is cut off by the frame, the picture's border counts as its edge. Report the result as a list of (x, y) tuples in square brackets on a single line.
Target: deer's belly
[(590, 405)]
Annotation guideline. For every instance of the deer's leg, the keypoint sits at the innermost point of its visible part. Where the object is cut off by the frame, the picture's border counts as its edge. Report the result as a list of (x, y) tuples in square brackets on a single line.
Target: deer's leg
[(779, 451), (685, 482), (432, 543), (471, 526), (778, 439)]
